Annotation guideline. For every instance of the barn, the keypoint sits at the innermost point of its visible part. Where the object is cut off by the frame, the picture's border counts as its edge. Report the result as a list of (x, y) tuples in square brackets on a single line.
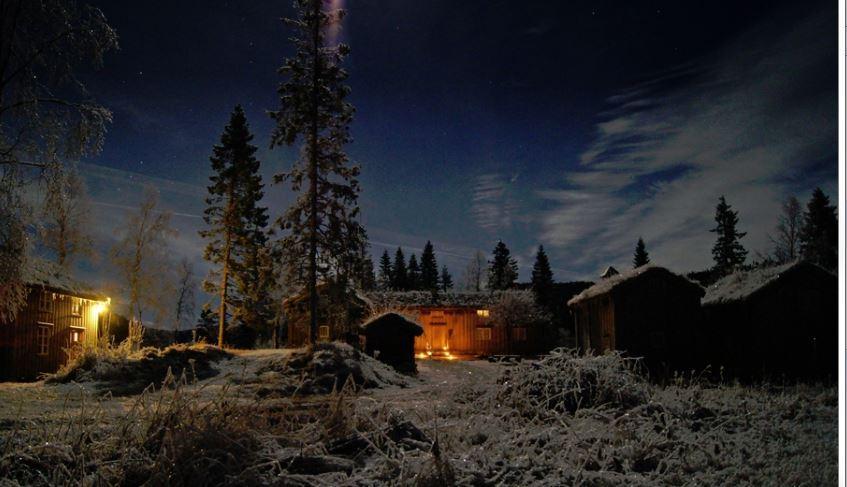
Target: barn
[(60, 315), (775, 321), (460, 324), (648, 312), (390, 338)]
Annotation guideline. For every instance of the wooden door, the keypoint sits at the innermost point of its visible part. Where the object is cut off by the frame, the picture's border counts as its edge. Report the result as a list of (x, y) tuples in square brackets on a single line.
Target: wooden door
[(607, 334), (438, 337)]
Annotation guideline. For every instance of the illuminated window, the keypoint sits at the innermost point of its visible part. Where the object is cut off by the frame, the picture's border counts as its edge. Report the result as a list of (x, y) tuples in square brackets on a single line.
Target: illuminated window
[(45, 303), (483, 333), (482, 313), (323, 332), (43, 338), (76, 336), (519, 334), (76, 307)]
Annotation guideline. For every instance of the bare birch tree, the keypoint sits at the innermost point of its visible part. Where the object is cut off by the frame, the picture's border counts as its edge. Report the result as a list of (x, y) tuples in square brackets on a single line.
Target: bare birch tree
[(787, 240), (475, 272), (140, 255), (65, 215)]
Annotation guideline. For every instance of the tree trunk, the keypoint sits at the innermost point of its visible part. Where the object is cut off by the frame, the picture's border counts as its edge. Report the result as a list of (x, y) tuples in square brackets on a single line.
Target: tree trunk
[(225, 271), (313, 183)]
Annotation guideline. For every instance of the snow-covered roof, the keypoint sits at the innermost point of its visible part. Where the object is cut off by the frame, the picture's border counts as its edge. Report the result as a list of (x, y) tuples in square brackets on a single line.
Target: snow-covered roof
[(740, 285), (440, 300), (609, 283), (393, 320), (41, 272), (609, 272)]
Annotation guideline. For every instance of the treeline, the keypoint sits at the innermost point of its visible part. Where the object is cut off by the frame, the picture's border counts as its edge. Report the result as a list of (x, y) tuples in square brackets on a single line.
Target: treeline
[(398, 275)]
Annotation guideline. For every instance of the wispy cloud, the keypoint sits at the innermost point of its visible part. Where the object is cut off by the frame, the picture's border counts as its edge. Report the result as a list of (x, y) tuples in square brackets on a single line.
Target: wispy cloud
[(493, 205), (753, 122)]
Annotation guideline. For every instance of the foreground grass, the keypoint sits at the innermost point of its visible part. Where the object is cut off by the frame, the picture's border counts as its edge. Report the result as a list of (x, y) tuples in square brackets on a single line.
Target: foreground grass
[(567, 419)]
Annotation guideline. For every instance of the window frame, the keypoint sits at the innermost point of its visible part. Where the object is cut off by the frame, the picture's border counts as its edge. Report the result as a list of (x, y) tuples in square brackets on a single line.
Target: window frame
[(519, 334), (76, 307), (484, 333), (46, 302), (42, 340), (483, 313), (321, 335)]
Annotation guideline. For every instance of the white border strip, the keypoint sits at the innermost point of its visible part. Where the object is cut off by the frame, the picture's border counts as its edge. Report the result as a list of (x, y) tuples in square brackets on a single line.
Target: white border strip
[(842, 26)]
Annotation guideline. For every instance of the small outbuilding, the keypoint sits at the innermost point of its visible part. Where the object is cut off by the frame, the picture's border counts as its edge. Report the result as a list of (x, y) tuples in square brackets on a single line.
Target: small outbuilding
[(647, 312), (775, 321), (340, 310), (390, 338)]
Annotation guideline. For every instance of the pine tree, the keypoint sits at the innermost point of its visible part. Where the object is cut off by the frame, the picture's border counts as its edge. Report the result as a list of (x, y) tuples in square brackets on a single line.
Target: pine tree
[(323, 237), (502, 269), (787, 241), (819, 236), (641, 257), (236, 239), (365, 277), (445, 282), (429, 269), (413, 276), (398, 272), (727, 251), (386, 279), (542, 278)]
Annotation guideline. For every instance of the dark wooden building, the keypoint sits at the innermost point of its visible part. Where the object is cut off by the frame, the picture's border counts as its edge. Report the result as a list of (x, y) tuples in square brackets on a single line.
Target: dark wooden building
[(340, 311), (459, 324), (60, 315), (647, 312), (390, 338), (773, 322)]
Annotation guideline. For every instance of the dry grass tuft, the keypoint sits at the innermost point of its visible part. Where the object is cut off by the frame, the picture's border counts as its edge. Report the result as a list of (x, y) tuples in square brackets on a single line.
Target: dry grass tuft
[(124, 372)]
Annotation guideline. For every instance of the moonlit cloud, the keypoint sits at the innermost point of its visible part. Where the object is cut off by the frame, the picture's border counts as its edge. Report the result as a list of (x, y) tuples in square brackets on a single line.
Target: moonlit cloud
[(750, 123), (493, 205)]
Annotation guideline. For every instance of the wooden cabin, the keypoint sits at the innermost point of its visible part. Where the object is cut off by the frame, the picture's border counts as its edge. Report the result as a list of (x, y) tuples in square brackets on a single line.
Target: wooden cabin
[(774, 322), (647, 312), (60, 316), (460, 324), (340, 310), (390, 338)]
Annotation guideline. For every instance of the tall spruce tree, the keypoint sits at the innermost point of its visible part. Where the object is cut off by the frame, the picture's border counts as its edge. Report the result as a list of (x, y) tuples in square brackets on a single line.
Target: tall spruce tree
[(445, 282), (322, 235), (413, 274), (819, 235), (365, 277), (641, 257), (542, 278), (236, 238), (727, 252), (429, 269), (386, 279), (400, 280), (502, 269)]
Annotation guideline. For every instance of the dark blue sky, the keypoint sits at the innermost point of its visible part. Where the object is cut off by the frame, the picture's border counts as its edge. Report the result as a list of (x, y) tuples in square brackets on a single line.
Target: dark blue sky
[(578, 125)]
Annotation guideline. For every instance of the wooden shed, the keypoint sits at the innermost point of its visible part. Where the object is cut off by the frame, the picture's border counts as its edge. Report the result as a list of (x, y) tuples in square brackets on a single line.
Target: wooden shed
[(340, 310), (459, 324), (774, 322), (647, 312), (60, 315), (390, 338)]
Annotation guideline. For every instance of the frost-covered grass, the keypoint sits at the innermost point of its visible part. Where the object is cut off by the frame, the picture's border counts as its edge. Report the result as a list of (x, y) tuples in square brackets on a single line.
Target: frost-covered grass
[(566, 419)]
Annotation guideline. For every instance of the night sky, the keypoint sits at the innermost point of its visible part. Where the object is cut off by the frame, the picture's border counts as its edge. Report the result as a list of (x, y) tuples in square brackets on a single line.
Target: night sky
[(577, 125)]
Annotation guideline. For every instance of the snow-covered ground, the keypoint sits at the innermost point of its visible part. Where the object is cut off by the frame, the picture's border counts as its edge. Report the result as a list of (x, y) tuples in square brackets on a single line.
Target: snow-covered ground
[(564, 420)]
